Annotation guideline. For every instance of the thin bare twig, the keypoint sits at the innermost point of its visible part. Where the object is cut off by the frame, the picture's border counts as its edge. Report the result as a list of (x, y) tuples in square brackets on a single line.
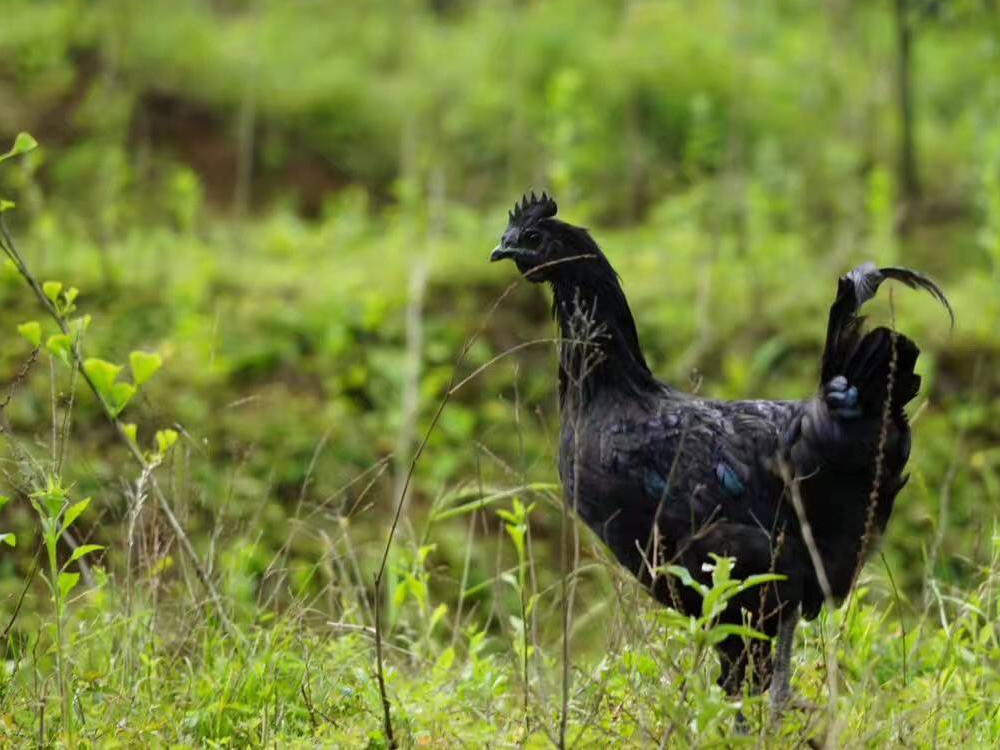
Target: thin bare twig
[(20, 598), (19, 378)]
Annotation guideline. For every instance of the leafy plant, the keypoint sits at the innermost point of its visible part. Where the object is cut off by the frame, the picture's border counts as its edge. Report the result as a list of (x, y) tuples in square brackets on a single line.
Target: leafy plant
[(516, 524), (23, 144), (715, 597), (56, 515)]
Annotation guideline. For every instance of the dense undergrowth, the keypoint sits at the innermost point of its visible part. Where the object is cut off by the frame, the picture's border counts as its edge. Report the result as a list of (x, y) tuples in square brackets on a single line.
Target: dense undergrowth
[(288, 404), (299, 232)]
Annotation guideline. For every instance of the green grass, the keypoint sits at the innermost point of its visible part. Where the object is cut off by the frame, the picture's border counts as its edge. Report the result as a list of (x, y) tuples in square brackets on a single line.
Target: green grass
[(293, 209), (148, 671)]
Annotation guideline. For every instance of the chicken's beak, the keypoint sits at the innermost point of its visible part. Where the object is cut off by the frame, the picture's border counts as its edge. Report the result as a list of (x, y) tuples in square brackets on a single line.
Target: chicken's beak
[(500, 253)]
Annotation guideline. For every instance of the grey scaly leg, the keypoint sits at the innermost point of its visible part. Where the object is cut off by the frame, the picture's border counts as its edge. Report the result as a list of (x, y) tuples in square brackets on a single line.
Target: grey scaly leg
[(781, 689)]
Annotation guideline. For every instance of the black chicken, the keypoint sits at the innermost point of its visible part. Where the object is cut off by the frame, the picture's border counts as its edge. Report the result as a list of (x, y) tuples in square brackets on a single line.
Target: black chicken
[(664, 477)]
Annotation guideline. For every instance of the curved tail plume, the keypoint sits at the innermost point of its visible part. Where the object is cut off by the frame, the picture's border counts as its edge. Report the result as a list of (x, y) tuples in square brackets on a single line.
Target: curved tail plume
[(843, 332)]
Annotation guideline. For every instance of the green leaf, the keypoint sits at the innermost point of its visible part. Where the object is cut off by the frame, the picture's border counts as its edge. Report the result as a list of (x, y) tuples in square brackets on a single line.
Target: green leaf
[(22, 145), (399, 596), (720, 567), (715, 599), (131, 431), (144, 366), (121, 394), (82, 550), (80, 325), (674, 619), (6, 205), (59, 345), (4, 500), (49, 501), (761, 578), (720, 632), (52, 290), (74, 512), (685, 575), (103, 375), (32, 332), (445, 660), (9, 539), (67, 582), (439, 612), (165, 440)]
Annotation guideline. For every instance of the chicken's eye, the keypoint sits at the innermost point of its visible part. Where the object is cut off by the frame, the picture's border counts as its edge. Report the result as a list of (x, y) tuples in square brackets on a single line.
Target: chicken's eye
[(531, 237)]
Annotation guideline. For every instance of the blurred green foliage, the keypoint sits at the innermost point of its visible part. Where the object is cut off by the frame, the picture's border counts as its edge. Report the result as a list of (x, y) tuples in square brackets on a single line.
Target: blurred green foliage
[(249, 188), (748, 154)]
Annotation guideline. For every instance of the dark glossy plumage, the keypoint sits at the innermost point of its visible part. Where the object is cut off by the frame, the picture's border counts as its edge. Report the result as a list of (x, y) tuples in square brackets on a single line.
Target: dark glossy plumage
[(665, 477)]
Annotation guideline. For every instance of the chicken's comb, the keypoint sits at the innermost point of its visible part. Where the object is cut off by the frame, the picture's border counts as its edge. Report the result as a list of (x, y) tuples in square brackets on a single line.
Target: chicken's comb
[(532, 208)]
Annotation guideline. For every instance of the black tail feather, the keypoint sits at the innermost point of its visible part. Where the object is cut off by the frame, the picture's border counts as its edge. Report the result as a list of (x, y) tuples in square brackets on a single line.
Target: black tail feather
[(843, 334), (868, 369)]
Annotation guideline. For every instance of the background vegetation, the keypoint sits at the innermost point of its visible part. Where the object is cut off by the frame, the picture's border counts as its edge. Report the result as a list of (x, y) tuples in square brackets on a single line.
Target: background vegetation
[(291, 205)]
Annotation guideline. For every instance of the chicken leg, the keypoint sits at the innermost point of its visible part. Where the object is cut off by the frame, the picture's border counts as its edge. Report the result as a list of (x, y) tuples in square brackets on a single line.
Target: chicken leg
[(781, 690)]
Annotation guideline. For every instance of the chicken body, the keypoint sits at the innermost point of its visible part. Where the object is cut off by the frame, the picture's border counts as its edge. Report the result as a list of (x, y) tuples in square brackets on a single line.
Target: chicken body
[(799, 488), (675, 479)]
